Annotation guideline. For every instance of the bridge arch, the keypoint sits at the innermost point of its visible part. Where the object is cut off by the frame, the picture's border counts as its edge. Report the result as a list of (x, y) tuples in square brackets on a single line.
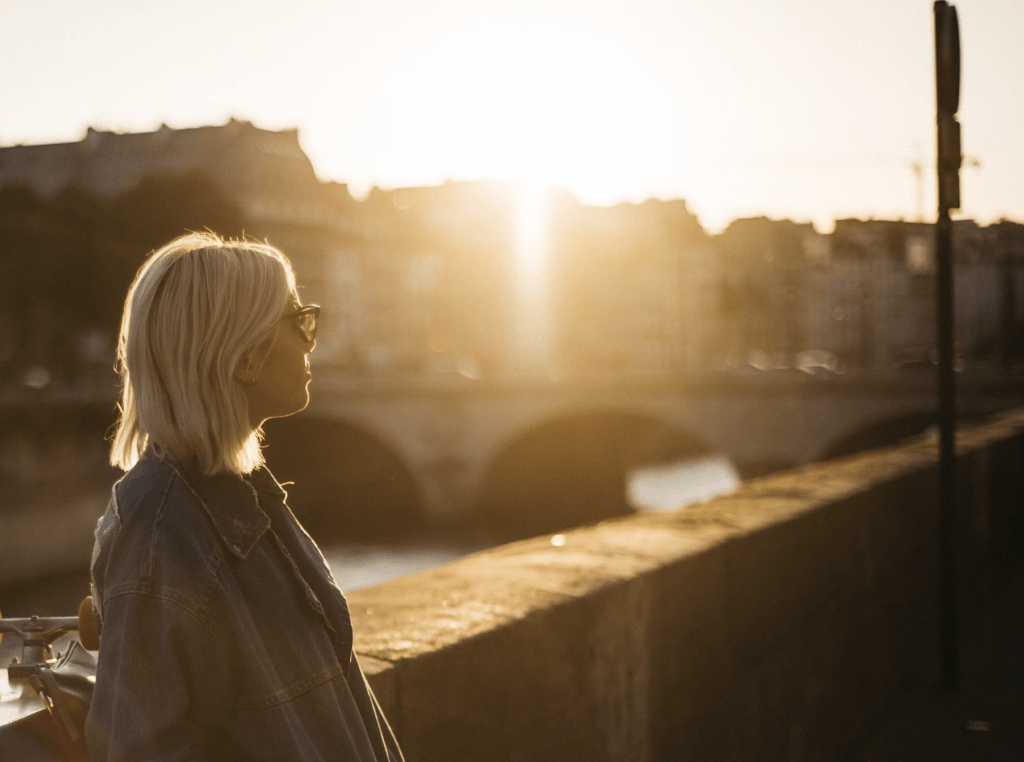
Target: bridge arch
[(347, 482), (49, 445), (571, 468)]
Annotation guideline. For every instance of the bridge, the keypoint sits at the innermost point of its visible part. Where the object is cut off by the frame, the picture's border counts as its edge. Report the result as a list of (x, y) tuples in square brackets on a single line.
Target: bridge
[(539, 455), (463, 443)]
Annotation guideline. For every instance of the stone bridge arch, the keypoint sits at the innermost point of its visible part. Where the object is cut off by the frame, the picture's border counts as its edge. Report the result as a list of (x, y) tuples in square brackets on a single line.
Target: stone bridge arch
[(571, 467), (347, 481), (50, 453)]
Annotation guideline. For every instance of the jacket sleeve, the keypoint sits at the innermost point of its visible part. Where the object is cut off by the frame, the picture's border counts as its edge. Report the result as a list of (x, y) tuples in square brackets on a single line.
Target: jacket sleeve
[(162, 678)]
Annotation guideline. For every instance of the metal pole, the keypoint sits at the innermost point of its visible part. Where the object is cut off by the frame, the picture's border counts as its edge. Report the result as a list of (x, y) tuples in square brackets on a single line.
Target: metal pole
[(947, 81), (947, 452)]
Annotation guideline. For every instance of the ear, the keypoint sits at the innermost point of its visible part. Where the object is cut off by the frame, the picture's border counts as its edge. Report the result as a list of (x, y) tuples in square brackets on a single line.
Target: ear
[(251, 363), (245, 373)]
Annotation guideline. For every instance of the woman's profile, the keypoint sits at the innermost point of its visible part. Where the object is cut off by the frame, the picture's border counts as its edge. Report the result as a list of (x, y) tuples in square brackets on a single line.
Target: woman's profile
[(222, 633)]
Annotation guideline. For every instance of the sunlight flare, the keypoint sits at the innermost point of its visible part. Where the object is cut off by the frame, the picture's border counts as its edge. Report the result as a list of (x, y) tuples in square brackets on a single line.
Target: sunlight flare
[(531, 233), (532, 257)]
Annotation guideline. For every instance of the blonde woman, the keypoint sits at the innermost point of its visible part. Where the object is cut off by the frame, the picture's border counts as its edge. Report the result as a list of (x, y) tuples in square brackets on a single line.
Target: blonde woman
[(222, 633)]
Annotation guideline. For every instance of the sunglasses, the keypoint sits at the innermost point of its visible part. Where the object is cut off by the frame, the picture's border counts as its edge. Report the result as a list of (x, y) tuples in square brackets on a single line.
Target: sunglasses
[(307, 318)]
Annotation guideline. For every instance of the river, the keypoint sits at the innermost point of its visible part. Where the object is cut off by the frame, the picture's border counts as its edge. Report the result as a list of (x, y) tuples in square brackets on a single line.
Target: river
[(663, 487)]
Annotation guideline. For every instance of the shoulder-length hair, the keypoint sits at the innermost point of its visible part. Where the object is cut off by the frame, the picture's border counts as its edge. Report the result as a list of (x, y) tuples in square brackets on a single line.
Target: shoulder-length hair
[(196, 309)]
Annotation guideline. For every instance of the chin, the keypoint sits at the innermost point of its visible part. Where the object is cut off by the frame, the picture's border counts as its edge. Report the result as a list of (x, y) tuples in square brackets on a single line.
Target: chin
[(297, 407)]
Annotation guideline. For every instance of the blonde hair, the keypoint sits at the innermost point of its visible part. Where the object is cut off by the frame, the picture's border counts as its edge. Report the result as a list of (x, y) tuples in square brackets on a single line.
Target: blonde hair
[(197, 308)]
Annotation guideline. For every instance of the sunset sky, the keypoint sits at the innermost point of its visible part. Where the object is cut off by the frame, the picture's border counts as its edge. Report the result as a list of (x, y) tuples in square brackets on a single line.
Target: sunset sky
[(807, 109)]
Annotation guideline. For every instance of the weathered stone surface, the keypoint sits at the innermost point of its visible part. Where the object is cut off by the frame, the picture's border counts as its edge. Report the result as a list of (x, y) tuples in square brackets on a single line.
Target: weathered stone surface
[(770, 623)]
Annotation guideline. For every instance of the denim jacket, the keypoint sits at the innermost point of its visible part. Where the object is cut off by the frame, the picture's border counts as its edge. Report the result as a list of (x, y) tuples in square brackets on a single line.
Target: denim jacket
[(222, 633)]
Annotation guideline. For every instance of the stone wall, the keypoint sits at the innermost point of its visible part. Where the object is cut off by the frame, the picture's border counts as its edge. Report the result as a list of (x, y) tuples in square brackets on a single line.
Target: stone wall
[(772, 623)]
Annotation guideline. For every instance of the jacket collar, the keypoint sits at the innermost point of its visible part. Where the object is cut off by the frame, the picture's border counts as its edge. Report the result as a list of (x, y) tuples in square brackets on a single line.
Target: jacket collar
[(232, 504)]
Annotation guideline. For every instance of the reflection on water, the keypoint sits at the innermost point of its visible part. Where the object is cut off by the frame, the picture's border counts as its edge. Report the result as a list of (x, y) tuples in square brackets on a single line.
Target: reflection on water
[(663, 487), (670, 486), (357, 566)]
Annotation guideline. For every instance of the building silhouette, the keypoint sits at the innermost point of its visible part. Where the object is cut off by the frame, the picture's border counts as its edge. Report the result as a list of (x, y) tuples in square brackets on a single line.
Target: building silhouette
[(423, 281)]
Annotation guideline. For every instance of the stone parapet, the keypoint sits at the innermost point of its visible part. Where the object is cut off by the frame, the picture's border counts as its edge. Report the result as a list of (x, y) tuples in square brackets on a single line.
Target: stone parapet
[(775, 622)]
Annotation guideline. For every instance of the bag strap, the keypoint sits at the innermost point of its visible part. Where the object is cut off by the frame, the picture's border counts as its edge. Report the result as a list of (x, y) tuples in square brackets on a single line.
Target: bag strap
[(66, 687), (46, 686)]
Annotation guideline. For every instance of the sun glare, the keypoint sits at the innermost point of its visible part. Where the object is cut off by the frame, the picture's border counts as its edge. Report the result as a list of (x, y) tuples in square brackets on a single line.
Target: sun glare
[(532, 249), (524, 102), (531, 232)]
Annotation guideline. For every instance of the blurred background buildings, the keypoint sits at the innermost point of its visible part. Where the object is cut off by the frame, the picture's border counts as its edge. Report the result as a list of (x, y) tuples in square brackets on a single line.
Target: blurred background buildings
[(423, 281)]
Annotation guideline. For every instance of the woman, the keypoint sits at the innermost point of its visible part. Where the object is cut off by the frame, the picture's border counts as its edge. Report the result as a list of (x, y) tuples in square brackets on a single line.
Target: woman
[(222, 633)]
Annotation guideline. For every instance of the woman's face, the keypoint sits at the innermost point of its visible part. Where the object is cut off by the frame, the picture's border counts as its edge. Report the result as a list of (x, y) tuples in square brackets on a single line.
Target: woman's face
[(280, 385)]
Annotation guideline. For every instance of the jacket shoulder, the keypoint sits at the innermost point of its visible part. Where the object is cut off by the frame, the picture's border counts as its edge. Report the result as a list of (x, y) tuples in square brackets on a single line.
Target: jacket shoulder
[(145, 486), (154, 505), (162, 541)]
